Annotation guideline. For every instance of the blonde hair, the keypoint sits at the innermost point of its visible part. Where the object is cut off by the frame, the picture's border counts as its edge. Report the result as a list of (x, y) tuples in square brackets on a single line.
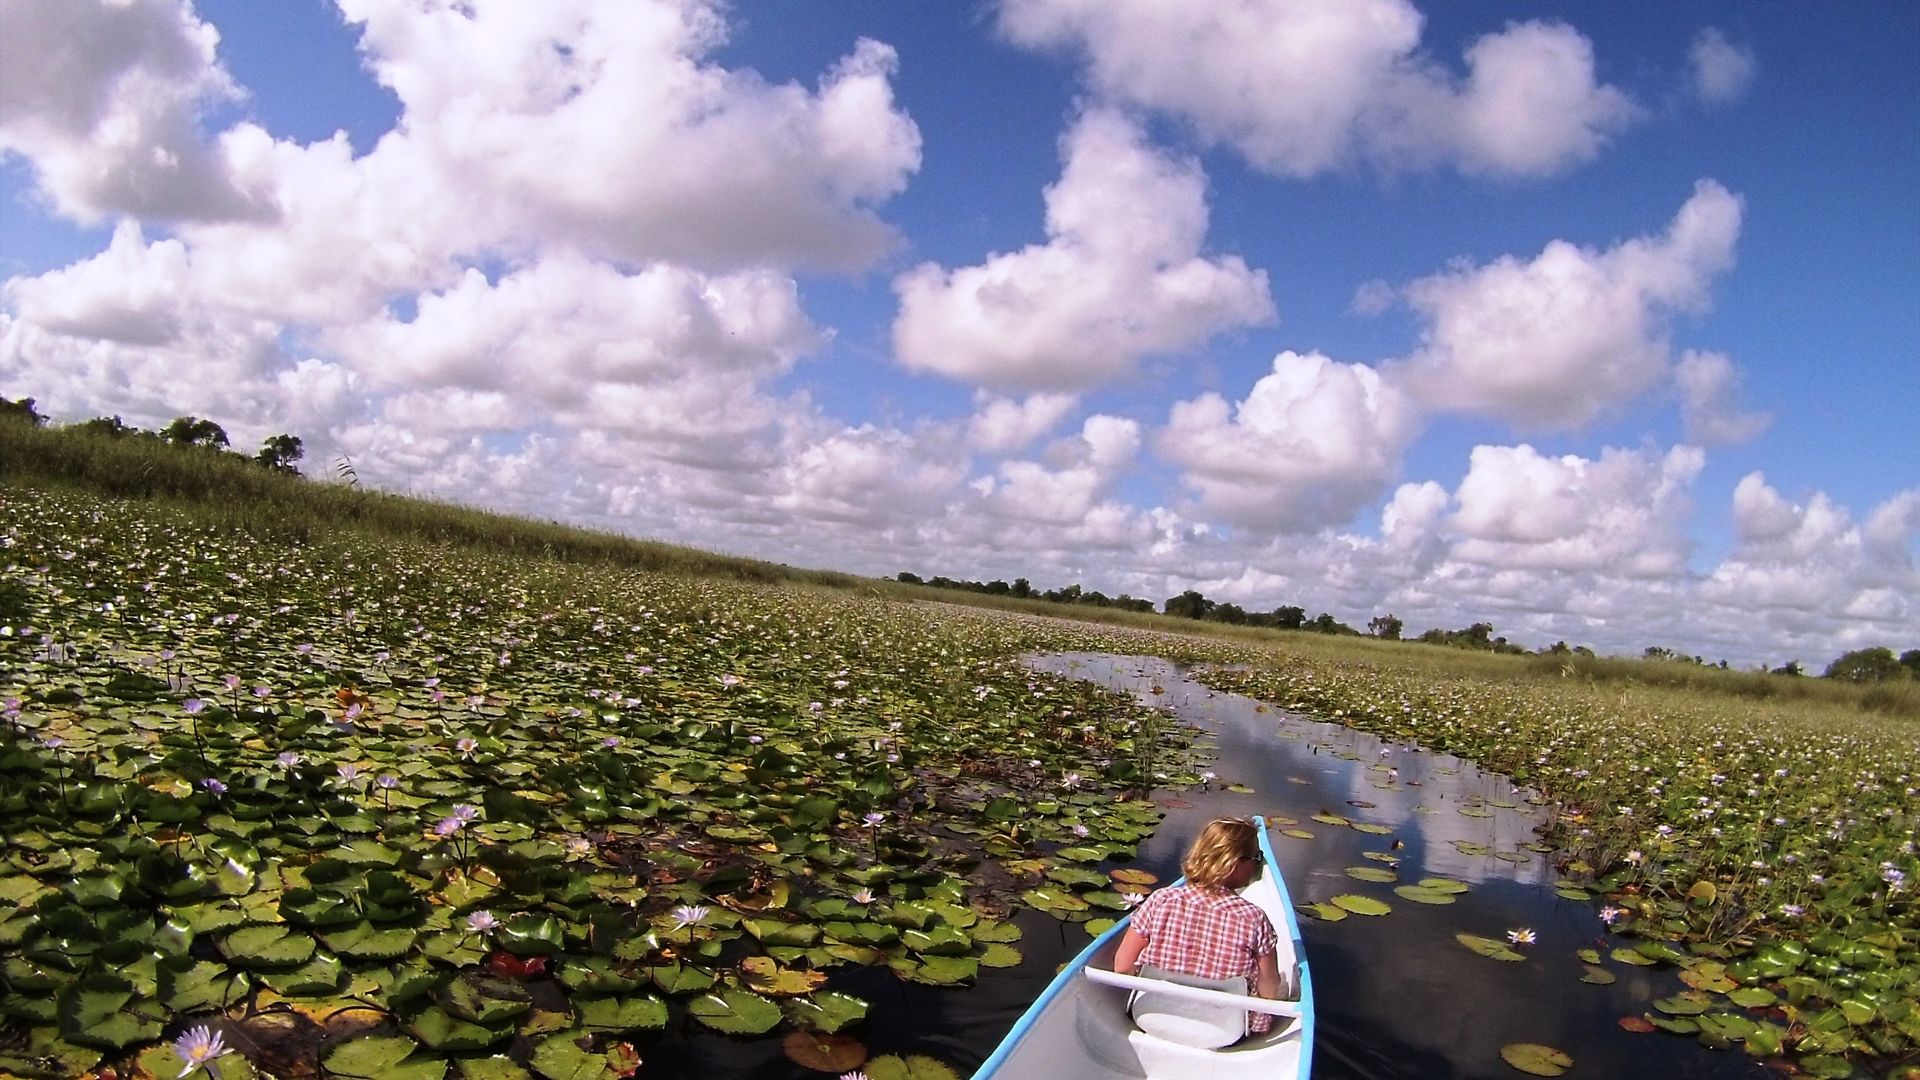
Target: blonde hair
[(1217, 851)]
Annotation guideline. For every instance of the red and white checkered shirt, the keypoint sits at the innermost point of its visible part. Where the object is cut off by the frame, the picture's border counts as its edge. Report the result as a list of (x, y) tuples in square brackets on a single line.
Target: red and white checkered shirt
[(1209, 935)]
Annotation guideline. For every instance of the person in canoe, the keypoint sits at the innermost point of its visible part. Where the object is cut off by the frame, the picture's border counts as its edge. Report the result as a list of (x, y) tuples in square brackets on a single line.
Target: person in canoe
[(1202, 932)]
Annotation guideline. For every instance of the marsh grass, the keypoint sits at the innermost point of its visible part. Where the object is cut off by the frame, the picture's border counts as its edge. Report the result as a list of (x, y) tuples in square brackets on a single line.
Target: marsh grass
[(230, 493)]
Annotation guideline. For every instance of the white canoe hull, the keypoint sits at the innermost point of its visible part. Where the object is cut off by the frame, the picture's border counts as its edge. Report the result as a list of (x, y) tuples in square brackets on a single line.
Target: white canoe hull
[(1079, 1027)]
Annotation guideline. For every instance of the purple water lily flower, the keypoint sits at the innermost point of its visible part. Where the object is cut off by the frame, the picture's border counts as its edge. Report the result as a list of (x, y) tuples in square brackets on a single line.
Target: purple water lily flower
[(198, 1047), (482, 922)]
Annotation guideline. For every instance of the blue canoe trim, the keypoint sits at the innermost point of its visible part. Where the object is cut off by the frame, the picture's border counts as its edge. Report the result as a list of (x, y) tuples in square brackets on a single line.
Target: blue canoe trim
[(1060, 982)]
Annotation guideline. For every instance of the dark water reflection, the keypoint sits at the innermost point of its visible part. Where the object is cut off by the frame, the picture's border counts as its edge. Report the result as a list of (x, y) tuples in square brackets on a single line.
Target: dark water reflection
[(1399, 998)]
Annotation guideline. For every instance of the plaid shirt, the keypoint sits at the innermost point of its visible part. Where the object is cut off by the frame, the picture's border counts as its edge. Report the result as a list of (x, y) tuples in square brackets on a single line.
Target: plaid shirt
[(1209, 935)]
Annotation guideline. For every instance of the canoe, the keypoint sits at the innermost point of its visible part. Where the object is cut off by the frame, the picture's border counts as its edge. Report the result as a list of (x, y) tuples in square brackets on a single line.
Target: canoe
[(1079, 1026)]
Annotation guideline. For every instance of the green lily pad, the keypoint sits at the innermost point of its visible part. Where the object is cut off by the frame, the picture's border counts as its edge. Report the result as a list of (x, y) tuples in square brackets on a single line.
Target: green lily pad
[(486, 1000), (1372, 873), (1535, 1059), (680, 978), (1421, 895), (267, 947), (1753, 997), (561, 1057), (1488, 947), (497, 1067), (104, 1010), (383, 1057), (1361, 905), (826, 1012), (364, 941), (618, 1015), (909, 1067), (438, 1029), (735, 1012)]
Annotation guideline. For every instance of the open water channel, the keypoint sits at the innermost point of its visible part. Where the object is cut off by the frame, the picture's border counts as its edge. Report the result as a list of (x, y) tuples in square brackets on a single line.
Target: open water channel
[(1399, 997)]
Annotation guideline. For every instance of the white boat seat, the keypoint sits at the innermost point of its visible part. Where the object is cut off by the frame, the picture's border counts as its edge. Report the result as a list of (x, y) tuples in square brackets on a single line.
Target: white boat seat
[(1189, 1022)]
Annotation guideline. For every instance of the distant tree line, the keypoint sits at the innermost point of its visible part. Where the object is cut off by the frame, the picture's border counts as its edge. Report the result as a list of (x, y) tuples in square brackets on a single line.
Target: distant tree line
[(1860, 665), (1021, 589), (277, 452)]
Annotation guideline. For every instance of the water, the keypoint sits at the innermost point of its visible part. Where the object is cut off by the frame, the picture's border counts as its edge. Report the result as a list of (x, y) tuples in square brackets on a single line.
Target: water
[(1399, 998)]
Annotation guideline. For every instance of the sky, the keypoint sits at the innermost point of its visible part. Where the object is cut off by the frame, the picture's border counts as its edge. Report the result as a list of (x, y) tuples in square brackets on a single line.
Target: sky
[(1599, 323)]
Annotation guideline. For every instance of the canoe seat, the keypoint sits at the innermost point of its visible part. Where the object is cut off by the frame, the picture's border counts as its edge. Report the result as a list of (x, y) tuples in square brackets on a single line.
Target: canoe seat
[(1113, 1044), (1189, 1023)]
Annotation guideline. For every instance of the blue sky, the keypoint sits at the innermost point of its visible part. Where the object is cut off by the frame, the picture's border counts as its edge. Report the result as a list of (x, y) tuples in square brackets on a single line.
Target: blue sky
[(1599, 323)]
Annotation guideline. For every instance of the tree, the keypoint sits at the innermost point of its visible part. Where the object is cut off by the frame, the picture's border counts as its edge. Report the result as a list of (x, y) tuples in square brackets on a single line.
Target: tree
[(1022, 587), (907, 577), (279, 452), (193, 431), (110, 426), (1289, 617), (21, 410), (1386, 626), (1791, 667), (1865, 665), (1230, 613), (1189, 605), (1911, 661)]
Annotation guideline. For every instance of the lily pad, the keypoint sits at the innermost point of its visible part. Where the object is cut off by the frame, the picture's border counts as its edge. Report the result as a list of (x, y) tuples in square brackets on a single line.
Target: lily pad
[(826, 1012), (383, 1057), (1361, 905), (735, 1012), (618, 1015), (1535, 1059), (823, 1052), (1488, 947), (910, 1067)]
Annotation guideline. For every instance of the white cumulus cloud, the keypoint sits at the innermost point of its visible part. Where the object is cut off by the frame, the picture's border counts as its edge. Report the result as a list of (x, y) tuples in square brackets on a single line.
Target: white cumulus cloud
[(1623, 512), (1004, 425), (1313, 441), (1299, 87), (1574, 333), (1120, 276), (105, 99)]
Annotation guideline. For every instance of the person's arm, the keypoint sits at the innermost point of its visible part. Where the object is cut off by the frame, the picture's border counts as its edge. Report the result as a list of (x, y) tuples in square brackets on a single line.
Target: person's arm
[(1132, 944), (1266, 982)]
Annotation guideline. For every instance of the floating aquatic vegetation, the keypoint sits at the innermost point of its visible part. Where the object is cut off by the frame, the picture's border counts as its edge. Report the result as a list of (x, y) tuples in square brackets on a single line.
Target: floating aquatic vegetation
[(513, 811)]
